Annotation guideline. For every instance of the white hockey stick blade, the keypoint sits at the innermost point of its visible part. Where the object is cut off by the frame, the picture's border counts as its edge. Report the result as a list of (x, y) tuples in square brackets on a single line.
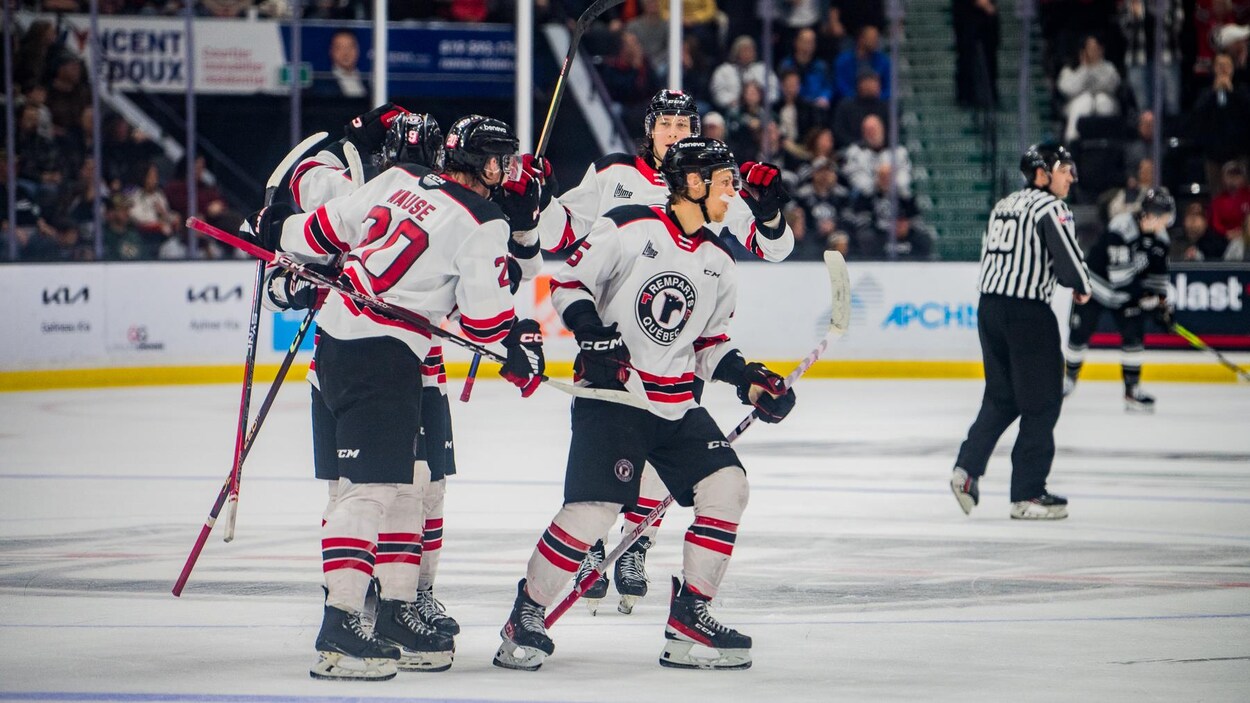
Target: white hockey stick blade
[(611, 396), (840, 286), (354, 165), (293, 157)]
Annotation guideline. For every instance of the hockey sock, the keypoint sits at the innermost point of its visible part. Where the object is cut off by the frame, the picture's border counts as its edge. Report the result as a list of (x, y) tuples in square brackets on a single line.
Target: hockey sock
[(432, 535), (333, 498), (399, 538), (563, 546), (719, 501), (349, 541), (1074, 358), (651, 492), (1130, 365)]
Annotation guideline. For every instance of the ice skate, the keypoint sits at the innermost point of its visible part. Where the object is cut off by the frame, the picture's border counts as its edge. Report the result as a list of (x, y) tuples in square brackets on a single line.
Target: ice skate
[(433, 614), (690, 624), (350, 652), (525, 641), (631, 575), (965, 489), (1043, 507), (421, 648), (1069, 384), (597, 592), (1136, 401)]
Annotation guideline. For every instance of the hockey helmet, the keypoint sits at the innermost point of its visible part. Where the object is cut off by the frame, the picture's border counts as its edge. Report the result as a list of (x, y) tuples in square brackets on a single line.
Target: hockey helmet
[(672, 102), (413, 138), (1158, 201), (473, 140), (1046, 156), (696, 155)]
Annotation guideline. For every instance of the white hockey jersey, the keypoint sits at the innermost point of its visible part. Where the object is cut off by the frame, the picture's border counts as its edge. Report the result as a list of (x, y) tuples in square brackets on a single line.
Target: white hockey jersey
[(671, 296), (623, 179), (416, 240)]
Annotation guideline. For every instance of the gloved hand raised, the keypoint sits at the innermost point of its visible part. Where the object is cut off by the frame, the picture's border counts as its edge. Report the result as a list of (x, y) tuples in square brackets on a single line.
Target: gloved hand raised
[(520, 201), (541, 169), (764, 192), (368, 131)]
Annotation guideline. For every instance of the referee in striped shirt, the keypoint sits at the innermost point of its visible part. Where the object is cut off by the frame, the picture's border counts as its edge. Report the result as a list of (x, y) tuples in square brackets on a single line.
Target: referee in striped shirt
[(1029, 246)]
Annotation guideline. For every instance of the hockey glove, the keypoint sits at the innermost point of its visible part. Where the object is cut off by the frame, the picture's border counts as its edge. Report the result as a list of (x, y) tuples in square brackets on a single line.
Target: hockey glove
[(525, 364), (1159, 308), (603, 360), (765, 193), (519, 201), (540, 168), (766, 391), (288, 291), (368, 131), (266, 225)]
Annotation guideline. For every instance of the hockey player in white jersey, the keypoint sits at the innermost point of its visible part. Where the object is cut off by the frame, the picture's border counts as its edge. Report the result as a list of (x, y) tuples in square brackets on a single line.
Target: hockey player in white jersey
[(651, 291), (618, 179), (433, 244)]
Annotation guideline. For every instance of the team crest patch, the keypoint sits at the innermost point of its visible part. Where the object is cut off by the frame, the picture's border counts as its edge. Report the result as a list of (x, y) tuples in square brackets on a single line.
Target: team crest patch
[(624, 470), (665, 303)]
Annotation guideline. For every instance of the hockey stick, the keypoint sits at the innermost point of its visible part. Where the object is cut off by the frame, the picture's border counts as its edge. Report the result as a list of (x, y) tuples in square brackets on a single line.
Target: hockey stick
[(253, 331), (839, 322), (354, 166), (231, 486), (399, 313), (583, 23), (1197, 342)]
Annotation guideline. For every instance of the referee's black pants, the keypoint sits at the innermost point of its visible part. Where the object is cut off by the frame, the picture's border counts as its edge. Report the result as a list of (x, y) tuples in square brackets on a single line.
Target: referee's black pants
[(1024, 379)]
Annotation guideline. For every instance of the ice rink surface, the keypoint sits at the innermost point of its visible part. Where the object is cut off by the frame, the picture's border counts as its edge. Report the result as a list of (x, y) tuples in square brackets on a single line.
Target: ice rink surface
[(855, 571)]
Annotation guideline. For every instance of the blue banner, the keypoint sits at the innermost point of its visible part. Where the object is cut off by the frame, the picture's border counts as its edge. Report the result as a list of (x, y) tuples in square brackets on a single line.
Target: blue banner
[(286, 325)]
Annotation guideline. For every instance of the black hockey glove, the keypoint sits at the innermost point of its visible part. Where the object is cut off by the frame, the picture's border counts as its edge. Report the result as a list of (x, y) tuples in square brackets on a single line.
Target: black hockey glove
[(525, 364), (519, 201), (288, 291), (368, 131), (765, 193), (541, 169), (757, 386), (1159, 308), (266, 225), (603, 359)]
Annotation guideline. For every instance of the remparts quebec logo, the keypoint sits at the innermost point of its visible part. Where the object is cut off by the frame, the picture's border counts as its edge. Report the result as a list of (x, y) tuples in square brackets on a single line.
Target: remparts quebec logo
[(665, 303)]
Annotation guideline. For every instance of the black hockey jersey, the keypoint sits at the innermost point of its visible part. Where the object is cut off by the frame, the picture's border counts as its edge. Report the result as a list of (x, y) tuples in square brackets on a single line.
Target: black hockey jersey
[(1126, 264)]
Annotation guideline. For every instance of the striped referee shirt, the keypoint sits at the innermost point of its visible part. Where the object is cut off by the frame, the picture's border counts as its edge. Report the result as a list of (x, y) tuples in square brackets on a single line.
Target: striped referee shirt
[(1029, 245)]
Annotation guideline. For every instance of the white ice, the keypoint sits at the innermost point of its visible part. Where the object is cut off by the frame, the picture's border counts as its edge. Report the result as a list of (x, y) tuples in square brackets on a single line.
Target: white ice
[(855, 571)]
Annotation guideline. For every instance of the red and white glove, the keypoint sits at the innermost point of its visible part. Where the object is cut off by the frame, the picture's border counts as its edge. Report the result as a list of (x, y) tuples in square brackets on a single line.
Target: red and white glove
[(764, 192), (540, 168)]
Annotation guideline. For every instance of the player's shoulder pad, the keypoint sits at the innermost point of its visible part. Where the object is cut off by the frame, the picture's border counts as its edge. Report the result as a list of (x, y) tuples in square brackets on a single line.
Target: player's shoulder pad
[(1124, 226), (625, 214), (719, 243), (481, 209), (617, 159)]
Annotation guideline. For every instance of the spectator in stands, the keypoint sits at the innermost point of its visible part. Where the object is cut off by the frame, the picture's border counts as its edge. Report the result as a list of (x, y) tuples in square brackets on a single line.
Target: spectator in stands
[(976, 43), (345, 79), (1239, 247), (80, 192), (745, 122), (1128, 198), (865, 54), (50, 242), (652, 31), (210, 205), (1219, 119), (696, 71), (871, 216), (1231, 205), (122, 242), (848, 118), (149, 208), (38, 159), (816, 84), (798, 15), (1193, 239), (631, 80), (26, 210), (1137, 21), (742, 66), (795, 114), (1089, 87), (225, 8), (865, 158), (36, 53), (1142, 143), (68, 94), (1234, 40), (36, 96), (831, 35), (698, 18), (826, 206), (122, 148), (713, 126)]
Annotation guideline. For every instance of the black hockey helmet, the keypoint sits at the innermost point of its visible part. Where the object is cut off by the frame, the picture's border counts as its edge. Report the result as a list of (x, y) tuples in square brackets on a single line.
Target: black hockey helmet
[(473, 140), (413, 138), (1158, 201), (672, 102), (1046, 156), (696, 155)]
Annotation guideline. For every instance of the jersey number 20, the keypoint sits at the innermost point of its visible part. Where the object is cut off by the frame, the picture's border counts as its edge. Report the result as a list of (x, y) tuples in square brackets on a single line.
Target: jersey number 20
[(416, 242)]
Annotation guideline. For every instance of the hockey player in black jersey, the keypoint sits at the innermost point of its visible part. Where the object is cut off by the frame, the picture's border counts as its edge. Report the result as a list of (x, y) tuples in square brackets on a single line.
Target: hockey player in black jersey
[(650, 291), (1128, 268)]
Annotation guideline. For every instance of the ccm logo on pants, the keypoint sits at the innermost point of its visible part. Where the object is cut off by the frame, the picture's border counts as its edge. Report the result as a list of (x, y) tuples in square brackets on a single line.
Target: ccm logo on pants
[(349, 453)]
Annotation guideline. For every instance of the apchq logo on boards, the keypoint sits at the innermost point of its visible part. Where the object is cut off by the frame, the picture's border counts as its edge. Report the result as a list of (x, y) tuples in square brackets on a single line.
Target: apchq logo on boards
[(65, 295), (932, 315), (214, 294)]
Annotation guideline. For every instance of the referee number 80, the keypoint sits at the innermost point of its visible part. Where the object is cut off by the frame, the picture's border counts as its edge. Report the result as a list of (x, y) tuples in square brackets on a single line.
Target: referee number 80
[(1002, 235)]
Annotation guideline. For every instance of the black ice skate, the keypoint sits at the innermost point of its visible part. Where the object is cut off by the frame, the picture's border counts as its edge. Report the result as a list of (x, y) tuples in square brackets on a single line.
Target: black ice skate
[(434, 615), (690, 623), (348, 651), (1136, 401), (965, 489), (421, 648), (589, 563), (1043, 507), (631, 575), (525, 641)]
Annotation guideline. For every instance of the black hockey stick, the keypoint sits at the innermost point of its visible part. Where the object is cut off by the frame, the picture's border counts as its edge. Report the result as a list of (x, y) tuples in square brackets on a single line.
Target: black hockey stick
[(1197, 342), (544, 137), (401, 314), (839, 322)]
